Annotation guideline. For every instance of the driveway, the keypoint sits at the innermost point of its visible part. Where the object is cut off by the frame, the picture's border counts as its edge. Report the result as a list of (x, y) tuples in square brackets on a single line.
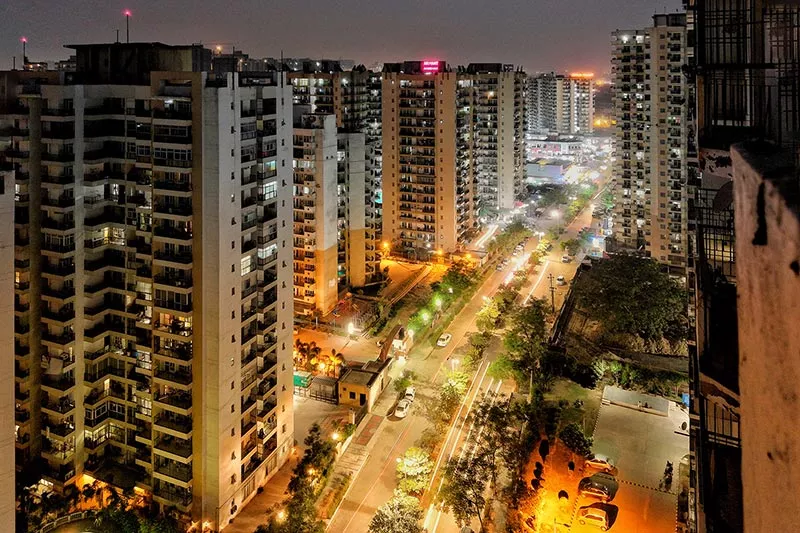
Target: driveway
[(640, 444)]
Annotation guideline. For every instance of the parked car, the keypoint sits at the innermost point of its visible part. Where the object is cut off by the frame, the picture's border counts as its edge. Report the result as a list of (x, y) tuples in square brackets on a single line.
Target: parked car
[(589, 486), (560, 280), (565, 258), (601, 463), (444, 340), (402, 409), (594, 516), (410, 394)]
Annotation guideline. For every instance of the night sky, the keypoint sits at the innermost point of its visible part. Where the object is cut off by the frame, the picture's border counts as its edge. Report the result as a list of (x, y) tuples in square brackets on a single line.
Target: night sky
[(540, 35)]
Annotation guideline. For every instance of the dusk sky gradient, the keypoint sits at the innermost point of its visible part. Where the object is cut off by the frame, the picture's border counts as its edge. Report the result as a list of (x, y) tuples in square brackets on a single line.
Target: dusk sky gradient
[(540, 35)]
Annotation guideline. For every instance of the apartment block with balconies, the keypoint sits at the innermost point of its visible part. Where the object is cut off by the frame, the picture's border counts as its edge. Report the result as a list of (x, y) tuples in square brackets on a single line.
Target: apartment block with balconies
[(428, 202), (560, 103), (8, 309), (150, 206), (355, 104), (650, 172)]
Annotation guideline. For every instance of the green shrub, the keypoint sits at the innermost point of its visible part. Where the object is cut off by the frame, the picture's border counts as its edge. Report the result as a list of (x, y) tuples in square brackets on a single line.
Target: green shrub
[(573, 438)]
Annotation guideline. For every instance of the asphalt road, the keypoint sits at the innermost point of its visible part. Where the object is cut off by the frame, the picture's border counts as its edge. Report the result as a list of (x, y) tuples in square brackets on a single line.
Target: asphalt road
[(376, 481)]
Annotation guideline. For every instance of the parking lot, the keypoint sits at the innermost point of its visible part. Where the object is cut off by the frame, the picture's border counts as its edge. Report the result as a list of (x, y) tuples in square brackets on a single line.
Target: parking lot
[(639, 444)]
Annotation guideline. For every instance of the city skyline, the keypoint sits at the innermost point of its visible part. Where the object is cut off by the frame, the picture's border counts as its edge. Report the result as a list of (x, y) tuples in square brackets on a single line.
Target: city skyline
[(453, 33)]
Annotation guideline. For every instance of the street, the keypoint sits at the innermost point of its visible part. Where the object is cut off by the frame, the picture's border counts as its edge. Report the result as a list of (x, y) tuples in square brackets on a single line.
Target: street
[(377, 479)]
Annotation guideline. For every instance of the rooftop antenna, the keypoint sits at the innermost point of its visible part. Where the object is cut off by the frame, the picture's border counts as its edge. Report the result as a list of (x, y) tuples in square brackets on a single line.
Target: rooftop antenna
[(117, 30), (127, 14), (24, 41)]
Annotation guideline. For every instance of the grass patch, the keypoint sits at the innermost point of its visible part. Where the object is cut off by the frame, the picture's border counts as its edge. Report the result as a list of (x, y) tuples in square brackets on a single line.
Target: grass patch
[(586, 416), (339, 486)]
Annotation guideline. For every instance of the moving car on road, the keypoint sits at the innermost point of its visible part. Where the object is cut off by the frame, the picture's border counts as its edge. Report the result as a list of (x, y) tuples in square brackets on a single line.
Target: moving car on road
[(444, 340), (565, 258), (402, 409), (560, 280), (594, 516)]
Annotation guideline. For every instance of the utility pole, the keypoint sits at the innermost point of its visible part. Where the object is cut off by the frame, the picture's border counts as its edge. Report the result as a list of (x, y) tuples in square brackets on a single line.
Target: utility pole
[(552, 293)]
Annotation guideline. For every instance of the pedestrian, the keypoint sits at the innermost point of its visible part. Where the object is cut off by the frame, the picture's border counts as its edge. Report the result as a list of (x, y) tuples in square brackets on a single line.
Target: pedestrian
[(639, 404)]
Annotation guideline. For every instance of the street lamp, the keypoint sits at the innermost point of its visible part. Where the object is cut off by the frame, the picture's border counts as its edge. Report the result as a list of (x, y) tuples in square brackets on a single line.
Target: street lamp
[(351, 328), (281, 515), (425, 316), (438, 302)]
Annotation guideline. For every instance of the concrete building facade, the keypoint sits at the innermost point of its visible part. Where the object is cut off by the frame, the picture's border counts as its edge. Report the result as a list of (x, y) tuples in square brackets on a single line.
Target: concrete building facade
[(7, 377), (560, 103), (744, 234), (353, 99), (153, 205), (650, 141), (428, 201), (491, 96)]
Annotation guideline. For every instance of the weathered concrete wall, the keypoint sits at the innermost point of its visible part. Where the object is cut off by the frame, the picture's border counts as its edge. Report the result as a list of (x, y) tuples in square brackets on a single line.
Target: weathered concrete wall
[(768, 275)]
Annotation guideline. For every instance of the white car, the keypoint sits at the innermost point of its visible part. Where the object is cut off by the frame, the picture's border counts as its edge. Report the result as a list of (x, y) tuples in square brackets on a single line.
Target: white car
[(410, 394), (595, 516), (402, 409), (444, 340), (560, 280), (565, 259)]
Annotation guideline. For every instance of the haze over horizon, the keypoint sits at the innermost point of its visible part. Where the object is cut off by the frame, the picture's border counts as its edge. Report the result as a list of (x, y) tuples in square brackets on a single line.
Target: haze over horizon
[(546, 35)]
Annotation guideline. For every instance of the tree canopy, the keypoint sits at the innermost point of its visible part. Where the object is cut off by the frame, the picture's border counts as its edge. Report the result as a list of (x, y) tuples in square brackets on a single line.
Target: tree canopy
[(401, 514), (628, 294)]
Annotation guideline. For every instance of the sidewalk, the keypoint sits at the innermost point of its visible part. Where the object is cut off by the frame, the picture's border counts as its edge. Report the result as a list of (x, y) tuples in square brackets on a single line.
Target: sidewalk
[(255, 512)]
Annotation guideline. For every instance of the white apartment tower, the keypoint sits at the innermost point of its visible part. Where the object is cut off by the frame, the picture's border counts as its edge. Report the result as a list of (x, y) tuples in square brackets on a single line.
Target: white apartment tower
[(560, 103), (650, 141), (153, 247)]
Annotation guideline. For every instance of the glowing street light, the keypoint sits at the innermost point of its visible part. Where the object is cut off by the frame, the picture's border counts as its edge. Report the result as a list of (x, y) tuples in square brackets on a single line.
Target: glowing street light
[(555, 213), (335, 436), (425, 316), (438, 302), (281, 515), (351, 328)]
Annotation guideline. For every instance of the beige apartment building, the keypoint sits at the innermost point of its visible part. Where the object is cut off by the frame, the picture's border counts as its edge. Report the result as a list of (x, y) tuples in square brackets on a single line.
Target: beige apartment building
[(352, 99), (650, 141), (153, 317), (428, 203)]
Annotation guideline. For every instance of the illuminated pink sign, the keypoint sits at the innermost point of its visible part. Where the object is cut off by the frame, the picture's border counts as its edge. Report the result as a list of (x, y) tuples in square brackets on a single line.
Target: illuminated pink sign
[(430, 67)]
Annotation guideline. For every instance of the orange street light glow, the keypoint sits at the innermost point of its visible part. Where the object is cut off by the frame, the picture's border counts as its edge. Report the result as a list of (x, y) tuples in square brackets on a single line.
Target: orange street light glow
[(584, 75)]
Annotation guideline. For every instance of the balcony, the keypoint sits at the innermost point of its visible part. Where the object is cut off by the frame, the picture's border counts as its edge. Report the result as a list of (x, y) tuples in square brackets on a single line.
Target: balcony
[(171, 232), (178, 423), (181, 400), (184, 258), (176, 471), (175, 446), (180, 377), (62, 406), (59, 338), (62, 430)]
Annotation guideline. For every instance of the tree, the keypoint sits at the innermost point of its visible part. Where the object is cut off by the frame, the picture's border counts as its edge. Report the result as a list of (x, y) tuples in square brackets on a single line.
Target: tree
[(572, 246), (463, 488), (414, 471), (501, 368), (628, 294), (401, 514), (487, 317), (527, 334), (573, 438)]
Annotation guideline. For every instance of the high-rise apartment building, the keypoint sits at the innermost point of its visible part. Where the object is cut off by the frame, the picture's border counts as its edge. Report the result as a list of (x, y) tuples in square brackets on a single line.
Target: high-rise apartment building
[(650, 141), (560, 103), (345, 243), (429, 203), (491, 111), (453, 143), (7, 379), (153, 314), (744, 63), (316, 251)]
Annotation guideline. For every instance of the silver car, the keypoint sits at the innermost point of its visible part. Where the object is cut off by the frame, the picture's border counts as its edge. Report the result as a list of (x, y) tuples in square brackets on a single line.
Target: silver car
[(402, 409)]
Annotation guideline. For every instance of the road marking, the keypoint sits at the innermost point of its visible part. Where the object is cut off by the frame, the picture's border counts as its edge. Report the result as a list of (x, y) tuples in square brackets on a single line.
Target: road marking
[(547, 263), (386, 463)]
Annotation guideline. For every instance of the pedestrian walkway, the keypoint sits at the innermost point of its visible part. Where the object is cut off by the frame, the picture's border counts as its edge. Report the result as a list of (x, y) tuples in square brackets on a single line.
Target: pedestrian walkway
[(273, 495)]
